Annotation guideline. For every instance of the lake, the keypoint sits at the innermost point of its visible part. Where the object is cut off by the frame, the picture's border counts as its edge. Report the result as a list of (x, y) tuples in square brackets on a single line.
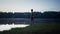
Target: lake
[(9, 27), (27, 20), (6, 23)]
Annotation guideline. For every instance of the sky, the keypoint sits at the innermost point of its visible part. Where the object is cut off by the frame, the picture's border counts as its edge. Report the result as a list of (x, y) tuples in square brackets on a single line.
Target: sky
[(27, 5)]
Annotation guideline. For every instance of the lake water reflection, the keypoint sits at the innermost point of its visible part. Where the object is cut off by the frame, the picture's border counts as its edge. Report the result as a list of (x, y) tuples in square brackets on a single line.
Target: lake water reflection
[(8, 27), (23, 22)]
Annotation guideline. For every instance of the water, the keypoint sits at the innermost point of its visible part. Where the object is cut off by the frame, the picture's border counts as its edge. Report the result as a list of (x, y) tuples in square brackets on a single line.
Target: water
[(9, 27), (26, 20), (22, 22)]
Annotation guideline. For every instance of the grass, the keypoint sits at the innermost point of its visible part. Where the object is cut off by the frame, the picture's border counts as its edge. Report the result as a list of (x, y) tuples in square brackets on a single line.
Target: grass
[(36, 29)]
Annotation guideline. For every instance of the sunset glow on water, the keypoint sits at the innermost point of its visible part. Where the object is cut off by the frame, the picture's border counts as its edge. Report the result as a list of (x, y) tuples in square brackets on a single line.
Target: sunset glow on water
[(8, 27)]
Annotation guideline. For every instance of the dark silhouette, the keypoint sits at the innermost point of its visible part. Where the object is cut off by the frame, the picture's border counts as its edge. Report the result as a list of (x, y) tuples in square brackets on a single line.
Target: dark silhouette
[(32, 18), (18, 18)]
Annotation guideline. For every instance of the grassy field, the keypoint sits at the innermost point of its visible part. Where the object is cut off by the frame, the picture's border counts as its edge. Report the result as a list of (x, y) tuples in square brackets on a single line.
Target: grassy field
[(50, 28)]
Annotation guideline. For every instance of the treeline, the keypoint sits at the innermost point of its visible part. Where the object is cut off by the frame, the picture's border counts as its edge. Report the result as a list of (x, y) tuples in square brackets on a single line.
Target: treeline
[(46, 14)]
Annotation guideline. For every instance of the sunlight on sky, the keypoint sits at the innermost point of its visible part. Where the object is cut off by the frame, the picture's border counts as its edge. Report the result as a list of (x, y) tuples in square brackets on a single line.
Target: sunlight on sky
[(26, 5)]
